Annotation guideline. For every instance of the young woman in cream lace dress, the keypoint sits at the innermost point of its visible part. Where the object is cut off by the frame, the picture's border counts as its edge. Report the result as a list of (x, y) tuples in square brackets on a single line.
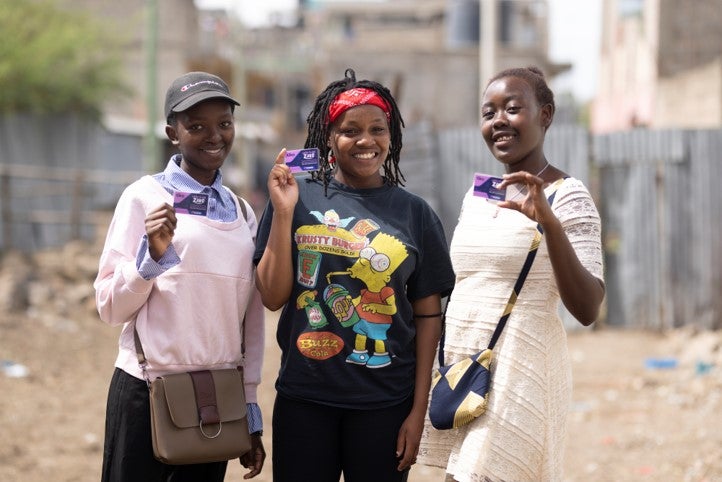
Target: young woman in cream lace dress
[(522, 434)]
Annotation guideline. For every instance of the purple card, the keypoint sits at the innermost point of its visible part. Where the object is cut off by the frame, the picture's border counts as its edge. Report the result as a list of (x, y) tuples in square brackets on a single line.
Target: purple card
[(190, 203), (486, 186), (302, 160)]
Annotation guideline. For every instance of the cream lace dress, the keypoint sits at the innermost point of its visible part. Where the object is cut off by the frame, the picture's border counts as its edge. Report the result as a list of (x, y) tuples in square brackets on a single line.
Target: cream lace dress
[(521, 435)]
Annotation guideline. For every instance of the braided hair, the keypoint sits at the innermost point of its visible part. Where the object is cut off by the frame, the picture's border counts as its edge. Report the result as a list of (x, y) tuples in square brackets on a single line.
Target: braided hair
[(319, 128)]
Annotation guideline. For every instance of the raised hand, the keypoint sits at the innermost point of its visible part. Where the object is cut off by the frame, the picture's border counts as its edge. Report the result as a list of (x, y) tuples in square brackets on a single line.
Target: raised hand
[(159, 226), (282, 186), (534, 204)]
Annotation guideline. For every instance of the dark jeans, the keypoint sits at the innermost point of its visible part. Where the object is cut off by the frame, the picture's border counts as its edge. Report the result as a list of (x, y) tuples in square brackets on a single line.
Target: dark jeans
[(128, 451), (315, 443)]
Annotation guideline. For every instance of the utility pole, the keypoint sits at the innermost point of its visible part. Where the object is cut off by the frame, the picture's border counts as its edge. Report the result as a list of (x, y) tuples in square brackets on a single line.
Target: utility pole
[(150, 143), (245, 147), (487, 43)]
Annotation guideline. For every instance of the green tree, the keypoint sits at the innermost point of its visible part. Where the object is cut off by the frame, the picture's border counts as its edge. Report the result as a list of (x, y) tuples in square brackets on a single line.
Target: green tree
[(53, 60)]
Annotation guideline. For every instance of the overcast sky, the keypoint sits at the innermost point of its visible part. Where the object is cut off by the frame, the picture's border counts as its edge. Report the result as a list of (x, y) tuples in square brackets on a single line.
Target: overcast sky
[(575, 27)]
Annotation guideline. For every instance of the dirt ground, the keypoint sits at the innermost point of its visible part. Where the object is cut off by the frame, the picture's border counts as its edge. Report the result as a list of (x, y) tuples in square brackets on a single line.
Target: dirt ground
[(628, 422)]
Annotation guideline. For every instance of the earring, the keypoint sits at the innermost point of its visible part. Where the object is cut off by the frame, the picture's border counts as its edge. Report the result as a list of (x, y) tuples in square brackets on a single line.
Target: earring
[(331, 160)]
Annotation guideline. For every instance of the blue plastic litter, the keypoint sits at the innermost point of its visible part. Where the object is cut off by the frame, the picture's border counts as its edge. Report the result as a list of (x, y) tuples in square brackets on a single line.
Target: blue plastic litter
[(660, 363)]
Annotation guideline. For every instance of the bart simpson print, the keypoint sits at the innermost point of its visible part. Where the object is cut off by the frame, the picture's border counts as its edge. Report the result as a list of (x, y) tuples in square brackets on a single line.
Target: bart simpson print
[(376, 304)]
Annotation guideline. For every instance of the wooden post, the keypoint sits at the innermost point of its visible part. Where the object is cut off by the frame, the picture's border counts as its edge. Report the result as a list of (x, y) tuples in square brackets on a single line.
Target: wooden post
[(76, 208), (7, 212)]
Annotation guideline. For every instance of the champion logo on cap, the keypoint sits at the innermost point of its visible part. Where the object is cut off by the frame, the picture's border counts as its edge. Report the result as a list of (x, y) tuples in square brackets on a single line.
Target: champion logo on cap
[(188, 86)]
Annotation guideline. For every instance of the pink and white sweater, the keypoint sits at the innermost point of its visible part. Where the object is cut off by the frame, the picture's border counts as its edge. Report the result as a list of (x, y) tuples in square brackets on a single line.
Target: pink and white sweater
[(188, 318)]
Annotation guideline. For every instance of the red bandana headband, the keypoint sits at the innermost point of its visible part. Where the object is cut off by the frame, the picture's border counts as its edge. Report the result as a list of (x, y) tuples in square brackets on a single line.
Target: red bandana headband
[(353, 98)]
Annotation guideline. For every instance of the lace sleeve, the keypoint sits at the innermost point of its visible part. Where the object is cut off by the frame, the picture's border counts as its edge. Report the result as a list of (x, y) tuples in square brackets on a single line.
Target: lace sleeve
[(575, 209)]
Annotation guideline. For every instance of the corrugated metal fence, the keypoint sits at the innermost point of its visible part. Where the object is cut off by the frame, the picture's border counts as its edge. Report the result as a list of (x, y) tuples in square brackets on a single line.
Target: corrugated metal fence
[(660, 199), (657, 192), (57, 176)]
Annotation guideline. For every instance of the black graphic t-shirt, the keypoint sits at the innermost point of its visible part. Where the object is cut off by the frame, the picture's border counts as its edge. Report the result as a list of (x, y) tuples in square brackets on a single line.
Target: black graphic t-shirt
[(360, 257)]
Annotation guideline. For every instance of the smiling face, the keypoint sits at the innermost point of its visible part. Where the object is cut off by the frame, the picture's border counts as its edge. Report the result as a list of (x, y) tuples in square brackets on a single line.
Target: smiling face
[(360, 140), (204, 136), (513, 123)]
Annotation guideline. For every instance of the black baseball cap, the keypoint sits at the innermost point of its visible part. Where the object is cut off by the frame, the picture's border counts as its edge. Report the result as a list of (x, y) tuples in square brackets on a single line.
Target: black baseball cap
[(194, 87)]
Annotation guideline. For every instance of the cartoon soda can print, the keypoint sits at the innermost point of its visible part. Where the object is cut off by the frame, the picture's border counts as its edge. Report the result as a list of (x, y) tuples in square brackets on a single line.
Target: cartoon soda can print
[(339, 300), (314, 312), (308, 265), (364, 227)]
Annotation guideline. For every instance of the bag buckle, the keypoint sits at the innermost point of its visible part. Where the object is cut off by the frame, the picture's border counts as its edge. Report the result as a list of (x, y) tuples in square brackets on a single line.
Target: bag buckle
[(144, 369), (220, 427)]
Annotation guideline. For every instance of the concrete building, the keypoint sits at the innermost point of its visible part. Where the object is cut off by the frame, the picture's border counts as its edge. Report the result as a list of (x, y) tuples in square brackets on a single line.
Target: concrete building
[(431, 53), (661, 65)]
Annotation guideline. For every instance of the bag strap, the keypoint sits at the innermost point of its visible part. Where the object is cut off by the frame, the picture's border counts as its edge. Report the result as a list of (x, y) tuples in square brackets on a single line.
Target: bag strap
[(526, 267), (244, 210), (517, 287)]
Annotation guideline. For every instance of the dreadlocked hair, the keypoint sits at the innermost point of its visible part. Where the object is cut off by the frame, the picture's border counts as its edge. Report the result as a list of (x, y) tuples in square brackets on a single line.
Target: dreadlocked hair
[(319, 128)]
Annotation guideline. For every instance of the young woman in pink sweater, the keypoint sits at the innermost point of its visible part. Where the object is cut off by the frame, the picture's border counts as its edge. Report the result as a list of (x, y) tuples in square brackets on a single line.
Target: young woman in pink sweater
[(184, 281)]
